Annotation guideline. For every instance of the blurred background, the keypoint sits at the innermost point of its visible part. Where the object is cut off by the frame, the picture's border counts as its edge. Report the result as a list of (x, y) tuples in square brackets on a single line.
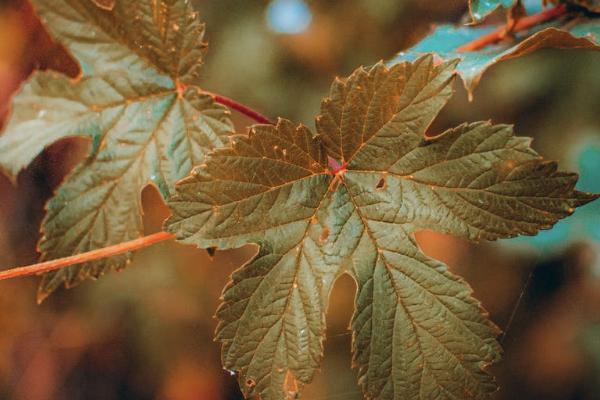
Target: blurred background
[(146, 333)]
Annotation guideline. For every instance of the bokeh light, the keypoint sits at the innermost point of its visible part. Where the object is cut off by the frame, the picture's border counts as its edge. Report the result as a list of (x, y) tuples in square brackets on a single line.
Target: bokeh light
[(288, 16)]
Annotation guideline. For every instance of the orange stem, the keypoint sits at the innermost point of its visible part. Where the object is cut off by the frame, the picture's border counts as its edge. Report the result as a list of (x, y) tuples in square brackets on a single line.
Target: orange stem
[(520, 25), (97, 254), (241, 108)]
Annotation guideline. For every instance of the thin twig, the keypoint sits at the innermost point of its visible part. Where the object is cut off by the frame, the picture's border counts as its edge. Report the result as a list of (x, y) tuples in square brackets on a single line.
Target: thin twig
[(97, 254), (241, 108), (520, 25)]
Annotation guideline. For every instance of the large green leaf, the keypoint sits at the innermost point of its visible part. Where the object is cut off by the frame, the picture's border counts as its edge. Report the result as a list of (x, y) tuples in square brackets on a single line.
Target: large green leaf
[(349, 200), (139, 102), (573, 32)]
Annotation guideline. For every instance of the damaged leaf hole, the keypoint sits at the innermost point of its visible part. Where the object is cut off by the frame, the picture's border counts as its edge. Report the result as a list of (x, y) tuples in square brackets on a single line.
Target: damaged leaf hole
[(381, 184)]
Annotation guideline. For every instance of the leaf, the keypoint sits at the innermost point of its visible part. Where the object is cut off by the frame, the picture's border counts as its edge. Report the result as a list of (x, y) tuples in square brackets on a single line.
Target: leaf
[(576, 32), (479, 9), (138, 101), (268, 189), (105, 4), (590, 5), (418, 332)]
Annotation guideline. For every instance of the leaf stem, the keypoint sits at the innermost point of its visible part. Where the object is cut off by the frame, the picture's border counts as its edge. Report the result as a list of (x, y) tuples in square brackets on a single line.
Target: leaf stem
[(520, 25), (241, 108), (97, 254)]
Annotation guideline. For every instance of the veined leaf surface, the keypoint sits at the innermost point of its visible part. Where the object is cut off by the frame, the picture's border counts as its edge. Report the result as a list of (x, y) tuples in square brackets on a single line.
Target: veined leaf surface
[(349, 200), (139, 102)]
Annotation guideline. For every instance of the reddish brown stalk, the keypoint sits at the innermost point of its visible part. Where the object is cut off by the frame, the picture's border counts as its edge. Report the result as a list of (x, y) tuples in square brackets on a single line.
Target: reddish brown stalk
[(93, 255), (241, 108), (520, 25)]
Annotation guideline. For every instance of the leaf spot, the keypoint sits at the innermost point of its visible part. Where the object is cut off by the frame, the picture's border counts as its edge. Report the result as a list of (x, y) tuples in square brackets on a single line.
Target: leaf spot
[(324, 235)]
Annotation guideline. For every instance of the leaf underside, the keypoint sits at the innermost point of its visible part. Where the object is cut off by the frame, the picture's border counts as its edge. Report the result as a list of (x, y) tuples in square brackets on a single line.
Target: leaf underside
[(479, 9), (139, 103), (417, 330), (574, 32)]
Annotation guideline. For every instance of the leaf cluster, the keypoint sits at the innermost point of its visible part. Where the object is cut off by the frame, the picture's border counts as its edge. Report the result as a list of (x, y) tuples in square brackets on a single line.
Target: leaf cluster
[(346, 199)]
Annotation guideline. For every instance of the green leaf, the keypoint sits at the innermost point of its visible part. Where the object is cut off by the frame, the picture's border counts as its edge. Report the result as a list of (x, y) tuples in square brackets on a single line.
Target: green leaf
[(268, 189), (479, 9), (575, 32), (418, 332), (138, 101)]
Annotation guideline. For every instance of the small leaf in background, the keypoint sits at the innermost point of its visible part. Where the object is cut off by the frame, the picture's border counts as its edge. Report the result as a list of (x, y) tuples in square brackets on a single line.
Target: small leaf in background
[(349, 200), (139, 103), (479, 9), (573, 31), (591, 5)]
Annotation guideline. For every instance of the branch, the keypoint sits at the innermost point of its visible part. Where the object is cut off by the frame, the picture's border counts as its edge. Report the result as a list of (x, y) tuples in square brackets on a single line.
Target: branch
[(520, 25), (241, 108), (93, 255)]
